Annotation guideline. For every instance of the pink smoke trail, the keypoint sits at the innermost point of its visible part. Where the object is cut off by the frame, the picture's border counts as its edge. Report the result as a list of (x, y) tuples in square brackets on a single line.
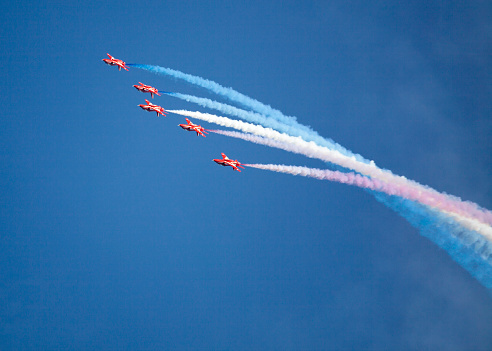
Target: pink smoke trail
[(377, 185), (424, 195)]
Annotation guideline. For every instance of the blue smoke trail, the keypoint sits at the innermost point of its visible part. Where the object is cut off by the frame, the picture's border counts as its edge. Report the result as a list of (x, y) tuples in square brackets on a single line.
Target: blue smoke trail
[(219, 90), (264, 111), (466, 247)]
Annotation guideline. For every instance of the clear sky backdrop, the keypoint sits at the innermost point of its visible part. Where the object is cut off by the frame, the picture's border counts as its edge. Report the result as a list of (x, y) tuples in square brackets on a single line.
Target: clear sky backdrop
[(119, 232)]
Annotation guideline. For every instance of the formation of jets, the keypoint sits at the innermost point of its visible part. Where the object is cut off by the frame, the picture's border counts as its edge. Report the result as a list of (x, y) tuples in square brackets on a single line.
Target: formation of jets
[(189, 126)]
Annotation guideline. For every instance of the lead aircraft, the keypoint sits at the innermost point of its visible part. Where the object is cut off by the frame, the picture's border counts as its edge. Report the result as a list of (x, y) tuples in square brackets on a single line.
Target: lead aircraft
[(115, 62)]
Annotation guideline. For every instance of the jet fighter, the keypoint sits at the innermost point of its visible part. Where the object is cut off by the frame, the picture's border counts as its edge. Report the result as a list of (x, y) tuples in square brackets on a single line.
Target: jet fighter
[(151, 107), (115, 62), (226, 161), (193, 127), (144, 88)]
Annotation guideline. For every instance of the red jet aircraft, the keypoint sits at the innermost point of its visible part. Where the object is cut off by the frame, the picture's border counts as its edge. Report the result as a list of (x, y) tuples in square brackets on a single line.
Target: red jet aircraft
[(193, 127), (115, 62), (151, 107), (226, 161), (144, 88)]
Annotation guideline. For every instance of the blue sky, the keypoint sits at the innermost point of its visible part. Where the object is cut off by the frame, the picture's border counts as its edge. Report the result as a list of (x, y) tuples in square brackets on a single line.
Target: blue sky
[(119, 232)]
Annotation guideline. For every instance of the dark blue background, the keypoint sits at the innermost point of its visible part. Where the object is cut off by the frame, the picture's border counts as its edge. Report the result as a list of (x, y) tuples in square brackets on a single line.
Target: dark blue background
[(119, 232)]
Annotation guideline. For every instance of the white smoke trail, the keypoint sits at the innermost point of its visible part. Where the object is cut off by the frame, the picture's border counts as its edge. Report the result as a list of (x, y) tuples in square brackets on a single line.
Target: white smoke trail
[(310, 149)]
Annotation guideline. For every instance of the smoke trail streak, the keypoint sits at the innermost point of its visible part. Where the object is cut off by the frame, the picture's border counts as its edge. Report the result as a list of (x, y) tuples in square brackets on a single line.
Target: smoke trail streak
[(374, 184), (340, 177), (296, 129), (312, 150), (465, 247)]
